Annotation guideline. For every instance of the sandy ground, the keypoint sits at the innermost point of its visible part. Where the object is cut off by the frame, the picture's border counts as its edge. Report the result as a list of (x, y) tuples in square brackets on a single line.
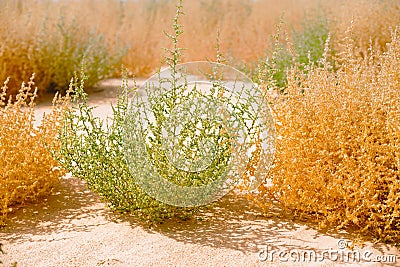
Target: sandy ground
[(72, 227)]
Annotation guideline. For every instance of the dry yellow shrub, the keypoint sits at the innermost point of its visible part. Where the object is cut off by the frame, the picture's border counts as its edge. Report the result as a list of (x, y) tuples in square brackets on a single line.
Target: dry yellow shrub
[(338, 150), (372, 21), (28, 170)]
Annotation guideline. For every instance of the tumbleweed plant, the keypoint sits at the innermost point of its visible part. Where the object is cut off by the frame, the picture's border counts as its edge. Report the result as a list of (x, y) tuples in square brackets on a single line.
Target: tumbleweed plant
[(29, 171), (338, 157), (166, 130), (93, 150)]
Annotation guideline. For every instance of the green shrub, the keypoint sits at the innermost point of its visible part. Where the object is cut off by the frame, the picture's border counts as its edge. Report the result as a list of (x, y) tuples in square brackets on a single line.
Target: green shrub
[(94, 150), (59, 54), (306, 47), (177, 145), (309, 43)]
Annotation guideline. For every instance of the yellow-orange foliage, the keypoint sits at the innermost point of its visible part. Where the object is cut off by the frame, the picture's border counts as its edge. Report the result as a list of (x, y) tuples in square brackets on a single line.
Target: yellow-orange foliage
[(28, 170), (371, 20), (338, 146)]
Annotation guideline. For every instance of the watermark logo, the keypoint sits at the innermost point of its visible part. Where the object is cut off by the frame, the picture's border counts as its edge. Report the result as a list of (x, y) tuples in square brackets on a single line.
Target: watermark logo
[(193, 132), (342, 254)]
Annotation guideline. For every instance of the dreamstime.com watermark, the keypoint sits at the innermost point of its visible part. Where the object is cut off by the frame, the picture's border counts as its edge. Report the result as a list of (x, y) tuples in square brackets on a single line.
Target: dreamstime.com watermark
[(340, 255)]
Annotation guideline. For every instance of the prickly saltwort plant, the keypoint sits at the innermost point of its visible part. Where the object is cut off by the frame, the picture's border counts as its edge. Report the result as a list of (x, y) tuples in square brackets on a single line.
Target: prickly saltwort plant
[(178, 142), (93, 150)]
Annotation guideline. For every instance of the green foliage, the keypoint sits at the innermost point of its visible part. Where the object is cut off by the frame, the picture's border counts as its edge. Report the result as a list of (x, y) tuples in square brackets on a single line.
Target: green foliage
[(94, 150), (309, 43), (162, 107), (60, 53), (128, 160), (306, 48)]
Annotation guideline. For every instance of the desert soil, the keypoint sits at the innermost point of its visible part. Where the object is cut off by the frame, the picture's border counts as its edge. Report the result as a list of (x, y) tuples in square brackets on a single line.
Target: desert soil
[(73, 227)]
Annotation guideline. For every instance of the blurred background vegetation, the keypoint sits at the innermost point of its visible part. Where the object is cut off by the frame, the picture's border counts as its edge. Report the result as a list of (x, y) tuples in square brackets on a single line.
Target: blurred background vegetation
[(51, 38)]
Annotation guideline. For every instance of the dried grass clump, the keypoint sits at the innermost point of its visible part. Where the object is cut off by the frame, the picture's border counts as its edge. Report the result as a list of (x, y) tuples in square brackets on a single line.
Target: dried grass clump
[(372, 21), (45, 38), (338, 151), (28, 169)]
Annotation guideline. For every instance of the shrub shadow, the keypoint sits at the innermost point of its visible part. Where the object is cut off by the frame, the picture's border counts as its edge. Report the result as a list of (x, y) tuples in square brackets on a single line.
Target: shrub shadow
[(231, 223), (71, 201)]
